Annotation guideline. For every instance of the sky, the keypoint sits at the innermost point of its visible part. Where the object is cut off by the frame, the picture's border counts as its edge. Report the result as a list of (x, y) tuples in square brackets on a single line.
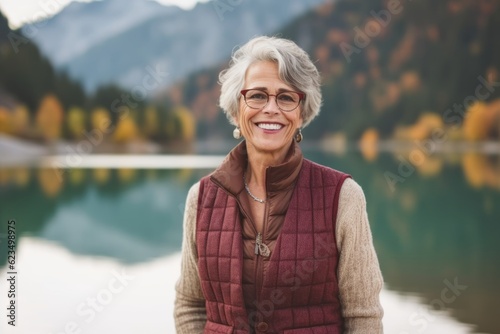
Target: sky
[(19, 12)]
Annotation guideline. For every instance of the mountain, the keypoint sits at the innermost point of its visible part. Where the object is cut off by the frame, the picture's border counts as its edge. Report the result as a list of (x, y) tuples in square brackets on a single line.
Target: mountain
[(82, 25), (104, 42), (26, 75), (384, 71)]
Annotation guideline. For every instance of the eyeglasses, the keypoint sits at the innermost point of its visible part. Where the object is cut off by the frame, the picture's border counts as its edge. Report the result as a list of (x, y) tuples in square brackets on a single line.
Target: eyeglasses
[(286, 100)]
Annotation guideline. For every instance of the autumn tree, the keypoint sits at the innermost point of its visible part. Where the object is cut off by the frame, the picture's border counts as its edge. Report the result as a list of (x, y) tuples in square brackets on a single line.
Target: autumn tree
[(187, 123), (76, 122), (20, 120), (475, 125), (100, 120), (126, 130), (4, 120), (49, 117)]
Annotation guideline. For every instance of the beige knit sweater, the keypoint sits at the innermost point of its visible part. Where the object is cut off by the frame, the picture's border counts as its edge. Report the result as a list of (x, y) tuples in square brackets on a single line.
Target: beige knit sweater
[(360, 280)]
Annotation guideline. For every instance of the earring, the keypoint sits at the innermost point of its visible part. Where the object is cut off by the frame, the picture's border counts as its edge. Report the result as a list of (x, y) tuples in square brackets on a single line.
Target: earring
[(237, 133), (298, 136)]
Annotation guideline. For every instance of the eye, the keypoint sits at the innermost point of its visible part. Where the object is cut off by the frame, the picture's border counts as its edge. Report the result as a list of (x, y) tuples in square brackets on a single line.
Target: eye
[(288, 97), (256, 95)]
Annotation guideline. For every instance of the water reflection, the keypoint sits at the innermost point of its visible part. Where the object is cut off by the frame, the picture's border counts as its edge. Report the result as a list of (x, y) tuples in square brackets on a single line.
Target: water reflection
[(438, 227), (434, 228), (142, 301), (128, 214)]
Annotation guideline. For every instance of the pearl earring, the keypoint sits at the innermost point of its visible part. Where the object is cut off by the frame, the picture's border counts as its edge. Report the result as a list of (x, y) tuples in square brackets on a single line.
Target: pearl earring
[(237, 133)]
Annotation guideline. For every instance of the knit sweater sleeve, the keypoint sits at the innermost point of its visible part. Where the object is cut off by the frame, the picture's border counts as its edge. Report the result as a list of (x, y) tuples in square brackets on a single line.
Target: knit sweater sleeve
[(360, 279), (189, 312)]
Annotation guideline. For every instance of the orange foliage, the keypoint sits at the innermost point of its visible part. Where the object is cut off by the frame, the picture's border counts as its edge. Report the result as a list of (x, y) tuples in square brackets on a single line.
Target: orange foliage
[(431, 166), (480, 170), (421, 130), (369, 144), (475, 125), (404, 51), (410, 81), (4, 120)]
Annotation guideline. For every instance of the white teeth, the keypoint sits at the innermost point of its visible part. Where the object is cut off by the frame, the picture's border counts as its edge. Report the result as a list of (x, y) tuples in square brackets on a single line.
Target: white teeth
[(270, 126)]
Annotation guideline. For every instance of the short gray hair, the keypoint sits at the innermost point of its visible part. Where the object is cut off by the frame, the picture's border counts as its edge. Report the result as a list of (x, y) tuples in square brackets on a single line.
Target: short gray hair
[(295, 68)]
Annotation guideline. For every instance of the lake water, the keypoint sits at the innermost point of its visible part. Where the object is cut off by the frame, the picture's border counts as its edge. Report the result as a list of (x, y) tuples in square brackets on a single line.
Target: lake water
[(99, 251)]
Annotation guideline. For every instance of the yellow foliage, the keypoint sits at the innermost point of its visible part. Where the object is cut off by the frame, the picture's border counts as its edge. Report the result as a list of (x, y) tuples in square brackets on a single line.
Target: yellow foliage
[(76, 176), (100, 119), (21, 176), (76, 122), (481, 170), (49, 117), (4, 120), (126, 130), (187, 121), (4, 176), (151, 121), (49, 182), (20, 119), (431, 166), (126, 174), (474, 166), (421, 130), (101, 175), (369, 144)]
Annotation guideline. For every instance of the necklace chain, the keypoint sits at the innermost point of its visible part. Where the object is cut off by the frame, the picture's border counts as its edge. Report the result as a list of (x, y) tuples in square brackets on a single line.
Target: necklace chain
[(255, 198)]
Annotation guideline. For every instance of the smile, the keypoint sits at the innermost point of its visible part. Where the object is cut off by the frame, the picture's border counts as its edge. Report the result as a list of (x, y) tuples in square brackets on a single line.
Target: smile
[(270, 126)]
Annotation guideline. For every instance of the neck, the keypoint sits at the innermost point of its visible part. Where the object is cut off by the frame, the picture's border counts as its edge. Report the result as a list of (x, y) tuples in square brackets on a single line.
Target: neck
[(258, 161)]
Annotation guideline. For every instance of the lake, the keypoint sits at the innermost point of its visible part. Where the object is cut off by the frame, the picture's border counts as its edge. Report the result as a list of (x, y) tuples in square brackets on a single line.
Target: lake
[(98, 248)]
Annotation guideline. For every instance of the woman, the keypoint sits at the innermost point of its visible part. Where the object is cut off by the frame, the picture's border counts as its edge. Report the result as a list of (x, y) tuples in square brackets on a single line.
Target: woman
[(274, 243)]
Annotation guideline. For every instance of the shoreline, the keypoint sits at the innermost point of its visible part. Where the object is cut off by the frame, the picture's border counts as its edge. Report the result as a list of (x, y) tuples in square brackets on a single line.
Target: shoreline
[(16, 152)]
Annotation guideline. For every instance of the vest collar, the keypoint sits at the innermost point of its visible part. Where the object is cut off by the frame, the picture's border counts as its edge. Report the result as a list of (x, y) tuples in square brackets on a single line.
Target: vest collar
[(229, 175)]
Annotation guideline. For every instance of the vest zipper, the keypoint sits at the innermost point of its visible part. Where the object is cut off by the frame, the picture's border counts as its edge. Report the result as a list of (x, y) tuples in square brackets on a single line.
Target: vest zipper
[(260, 247)]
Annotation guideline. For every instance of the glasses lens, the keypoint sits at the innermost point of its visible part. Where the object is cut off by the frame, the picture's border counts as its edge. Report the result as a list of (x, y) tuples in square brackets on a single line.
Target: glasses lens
[(256, 98), (287, 101)]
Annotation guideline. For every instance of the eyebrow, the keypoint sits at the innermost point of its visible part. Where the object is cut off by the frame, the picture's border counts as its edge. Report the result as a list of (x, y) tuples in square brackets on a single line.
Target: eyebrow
[(280, 90)]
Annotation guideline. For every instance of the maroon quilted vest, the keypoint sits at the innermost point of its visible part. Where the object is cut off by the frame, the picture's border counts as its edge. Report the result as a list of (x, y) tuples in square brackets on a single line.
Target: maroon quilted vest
[(300, 288)]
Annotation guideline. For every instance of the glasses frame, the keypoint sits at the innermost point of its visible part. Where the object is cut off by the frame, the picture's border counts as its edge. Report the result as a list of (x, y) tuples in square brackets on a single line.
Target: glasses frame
[(301, 95)]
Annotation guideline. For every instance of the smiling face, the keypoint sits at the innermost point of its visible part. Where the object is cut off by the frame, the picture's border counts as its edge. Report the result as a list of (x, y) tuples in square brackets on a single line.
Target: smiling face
[(268, 130)]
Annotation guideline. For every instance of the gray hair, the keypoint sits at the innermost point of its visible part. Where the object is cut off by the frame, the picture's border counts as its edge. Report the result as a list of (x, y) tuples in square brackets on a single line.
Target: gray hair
[(295, 68)]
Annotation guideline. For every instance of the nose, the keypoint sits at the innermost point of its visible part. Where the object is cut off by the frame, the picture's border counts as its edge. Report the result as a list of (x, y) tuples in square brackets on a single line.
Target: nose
[(272, 105)]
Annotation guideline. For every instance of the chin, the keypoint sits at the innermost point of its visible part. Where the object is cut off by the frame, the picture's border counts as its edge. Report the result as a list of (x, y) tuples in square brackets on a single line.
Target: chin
[(274, 145)]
